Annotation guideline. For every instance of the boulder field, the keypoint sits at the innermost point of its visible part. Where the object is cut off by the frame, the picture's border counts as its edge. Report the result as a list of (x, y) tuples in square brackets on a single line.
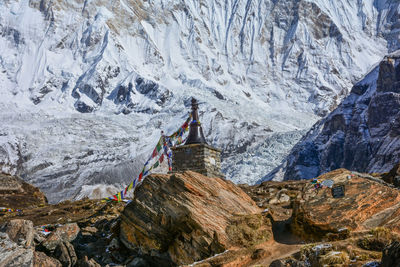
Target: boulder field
[(186, 219)]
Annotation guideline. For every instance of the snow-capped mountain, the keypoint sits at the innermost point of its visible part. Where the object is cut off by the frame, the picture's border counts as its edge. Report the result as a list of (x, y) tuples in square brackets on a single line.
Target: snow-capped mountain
[(87, 86), (362, 134)]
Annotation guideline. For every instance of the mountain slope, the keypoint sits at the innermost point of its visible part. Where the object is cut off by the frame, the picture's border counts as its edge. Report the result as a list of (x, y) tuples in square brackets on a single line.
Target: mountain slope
[(86, 87), (362, 134)]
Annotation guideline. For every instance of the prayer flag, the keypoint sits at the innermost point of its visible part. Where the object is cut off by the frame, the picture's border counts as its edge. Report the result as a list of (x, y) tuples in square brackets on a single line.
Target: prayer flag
[(155, 152), (159, 146), (156, 164), (130, 186)]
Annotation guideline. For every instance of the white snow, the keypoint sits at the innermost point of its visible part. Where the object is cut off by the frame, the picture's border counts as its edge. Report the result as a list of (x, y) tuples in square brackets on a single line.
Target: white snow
[(264, 71)]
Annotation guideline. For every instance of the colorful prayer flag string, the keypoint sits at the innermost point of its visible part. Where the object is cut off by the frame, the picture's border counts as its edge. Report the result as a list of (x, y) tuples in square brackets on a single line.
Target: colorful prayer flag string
[(164, 143), (9, 210)]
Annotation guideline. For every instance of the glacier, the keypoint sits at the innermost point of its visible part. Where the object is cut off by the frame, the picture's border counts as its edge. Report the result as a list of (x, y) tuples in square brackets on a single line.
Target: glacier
[(87, 86)]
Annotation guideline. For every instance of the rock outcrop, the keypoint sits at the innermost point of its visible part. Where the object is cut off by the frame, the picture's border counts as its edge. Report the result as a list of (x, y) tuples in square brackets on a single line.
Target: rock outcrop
[(19, 231), (362, 134), (17, 194), (393, 176), (366, 204), (183, 218), (67, 234)]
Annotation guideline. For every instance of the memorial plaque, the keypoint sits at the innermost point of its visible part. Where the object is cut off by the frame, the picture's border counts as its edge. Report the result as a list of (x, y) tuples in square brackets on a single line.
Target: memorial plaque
[(338, 191)]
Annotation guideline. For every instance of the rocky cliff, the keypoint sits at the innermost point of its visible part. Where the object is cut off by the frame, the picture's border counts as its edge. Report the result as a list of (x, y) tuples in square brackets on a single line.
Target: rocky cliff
[(361, 134)]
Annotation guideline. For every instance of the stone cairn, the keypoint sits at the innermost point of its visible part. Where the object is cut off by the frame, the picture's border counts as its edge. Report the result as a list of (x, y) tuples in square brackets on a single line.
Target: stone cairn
[(196, 155)]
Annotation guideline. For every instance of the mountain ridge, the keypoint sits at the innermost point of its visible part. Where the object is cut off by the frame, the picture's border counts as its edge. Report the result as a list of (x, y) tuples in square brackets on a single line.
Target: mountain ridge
[(265, 71)]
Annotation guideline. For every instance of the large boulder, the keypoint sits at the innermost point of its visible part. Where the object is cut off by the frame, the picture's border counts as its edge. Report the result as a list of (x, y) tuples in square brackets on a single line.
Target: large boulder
[(13, 255), (368, 203), (67, 232), (182, 218), (65, 252), (19, 231)]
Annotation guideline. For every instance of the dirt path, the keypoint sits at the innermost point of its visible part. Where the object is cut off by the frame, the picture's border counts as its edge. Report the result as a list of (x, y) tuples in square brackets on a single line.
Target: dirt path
[(283, 245), (278, 251)]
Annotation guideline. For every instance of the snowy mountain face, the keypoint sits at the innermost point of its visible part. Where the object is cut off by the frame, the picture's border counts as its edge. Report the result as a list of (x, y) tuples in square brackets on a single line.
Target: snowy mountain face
[(87, 86), (362, 134)]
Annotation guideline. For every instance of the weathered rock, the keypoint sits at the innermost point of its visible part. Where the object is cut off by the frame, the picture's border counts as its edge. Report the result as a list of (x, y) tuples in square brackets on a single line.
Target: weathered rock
[(19, 231), (182, 218), (12, 255), (65, 252), (391, 255), (63, 233), (40, 259), (367, 204), (16, 194)]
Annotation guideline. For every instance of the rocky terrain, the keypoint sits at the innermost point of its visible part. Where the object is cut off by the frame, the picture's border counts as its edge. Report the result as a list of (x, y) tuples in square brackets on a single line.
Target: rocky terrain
[(190, 220), (87, 86), (18, 193), (361, 134)]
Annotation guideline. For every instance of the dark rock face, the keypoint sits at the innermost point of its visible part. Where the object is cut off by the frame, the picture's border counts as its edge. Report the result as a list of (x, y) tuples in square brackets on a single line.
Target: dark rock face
[(391, 255), (65, 253), (362, 134), (393, 177)]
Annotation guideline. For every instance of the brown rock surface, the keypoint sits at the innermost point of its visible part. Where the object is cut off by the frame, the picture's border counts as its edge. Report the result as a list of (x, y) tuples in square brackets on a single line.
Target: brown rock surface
[(16, 194), (367, 204), (40, 259), (182, 218), (64, 233)]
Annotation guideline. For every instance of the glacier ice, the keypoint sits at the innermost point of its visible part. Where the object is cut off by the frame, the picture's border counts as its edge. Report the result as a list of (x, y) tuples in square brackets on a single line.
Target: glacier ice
[(87, 86)]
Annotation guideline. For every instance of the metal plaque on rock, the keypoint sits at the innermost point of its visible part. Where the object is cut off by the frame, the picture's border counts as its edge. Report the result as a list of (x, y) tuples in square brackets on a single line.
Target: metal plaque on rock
[(338, 191)]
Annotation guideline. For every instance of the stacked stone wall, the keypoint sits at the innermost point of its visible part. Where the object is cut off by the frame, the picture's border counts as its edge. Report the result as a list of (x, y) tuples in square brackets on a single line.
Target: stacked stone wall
[(200, 158)]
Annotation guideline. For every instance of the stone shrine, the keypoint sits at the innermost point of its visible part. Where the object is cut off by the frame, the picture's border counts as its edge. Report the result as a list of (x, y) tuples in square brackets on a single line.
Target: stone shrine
[(196, 155)]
